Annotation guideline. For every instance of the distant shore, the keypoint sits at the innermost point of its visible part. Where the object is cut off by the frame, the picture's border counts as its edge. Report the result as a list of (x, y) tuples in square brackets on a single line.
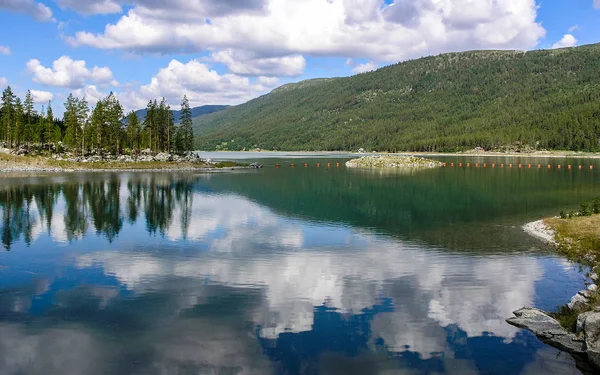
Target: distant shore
[(535, 154)]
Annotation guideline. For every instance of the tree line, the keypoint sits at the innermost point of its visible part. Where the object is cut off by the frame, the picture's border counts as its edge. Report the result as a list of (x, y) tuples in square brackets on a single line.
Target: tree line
[(87, 129)]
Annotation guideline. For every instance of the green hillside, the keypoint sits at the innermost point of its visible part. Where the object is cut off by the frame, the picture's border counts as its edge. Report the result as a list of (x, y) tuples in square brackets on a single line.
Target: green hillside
[(546, 99), (196, 111)]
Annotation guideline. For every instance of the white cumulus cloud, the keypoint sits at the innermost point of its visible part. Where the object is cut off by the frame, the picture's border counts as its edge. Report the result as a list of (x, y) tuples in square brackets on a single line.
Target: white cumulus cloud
[(66, 72), (41, 96), (3, 82), (597, 4), (37, 10), (201, 85), (89, 7), (4, 50), (90, 93), (366, 67), (244, 63), (349, 28), (568, 40)]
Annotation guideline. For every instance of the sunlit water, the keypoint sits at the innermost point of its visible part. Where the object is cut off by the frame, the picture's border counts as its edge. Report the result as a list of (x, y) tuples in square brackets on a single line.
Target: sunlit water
[(281, 271)]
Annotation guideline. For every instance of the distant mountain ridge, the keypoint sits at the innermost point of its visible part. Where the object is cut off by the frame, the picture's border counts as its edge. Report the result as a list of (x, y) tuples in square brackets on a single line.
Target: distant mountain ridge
[(196, 111), (544, 98)]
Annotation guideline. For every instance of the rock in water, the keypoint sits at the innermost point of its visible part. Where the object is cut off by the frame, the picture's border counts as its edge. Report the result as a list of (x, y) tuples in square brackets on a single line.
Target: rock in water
[(547, 329)]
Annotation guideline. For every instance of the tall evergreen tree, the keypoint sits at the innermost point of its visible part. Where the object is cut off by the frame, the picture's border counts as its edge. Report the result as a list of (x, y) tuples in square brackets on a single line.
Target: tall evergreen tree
[(29, 113), (7, 109), (149, 123), (185, 120), (133, 131), (49, 129), (19, 129), (113, 115), (83, 113), (98, 123)]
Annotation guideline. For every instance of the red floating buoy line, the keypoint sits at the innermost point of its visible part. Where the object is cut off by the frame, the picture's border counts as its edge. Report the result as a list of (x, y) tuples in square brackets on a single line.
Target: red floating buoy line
[(559, 167)]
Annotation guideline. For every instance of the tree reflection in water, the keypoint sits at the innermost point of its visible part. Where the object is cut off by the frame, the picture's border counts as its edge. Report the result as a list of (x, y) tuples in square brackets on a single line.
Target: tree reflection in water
[(96, 204)]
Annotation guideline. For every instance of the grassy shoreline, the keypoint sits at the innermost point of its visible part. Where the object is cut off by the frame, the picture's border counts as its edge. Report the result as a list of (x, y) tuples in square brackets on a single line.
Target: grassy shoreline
[(14, 163), (578, 238)]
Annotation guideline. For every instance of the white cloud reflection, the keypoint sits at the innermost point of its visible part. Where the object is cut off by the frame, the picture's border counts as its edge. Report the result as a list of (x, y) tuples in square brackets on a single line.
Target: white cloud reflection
[(429, 289)]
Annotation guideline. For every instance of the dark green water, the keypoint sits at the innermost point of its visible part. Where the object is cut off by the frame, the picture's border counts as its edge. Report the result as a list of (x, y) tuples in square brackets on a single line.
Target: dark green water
[(282, 271)]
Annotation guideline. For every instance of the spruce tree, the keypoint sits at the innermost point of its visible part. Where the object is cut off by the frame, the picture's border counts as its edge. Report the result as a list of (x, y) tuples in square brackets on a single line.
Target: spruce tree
[(7, 109), (114, 114), (29, 112), (83, 112), (49, 130), (19, 132), (185, 120), (133, 131), (71, 123), (98, 124)]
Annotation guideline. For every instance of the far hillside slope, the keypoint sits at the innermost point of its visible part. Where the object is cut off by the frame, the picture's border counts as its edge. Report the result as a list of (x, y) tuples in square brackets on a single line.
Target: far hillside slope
[(196, 111), (546, 98)]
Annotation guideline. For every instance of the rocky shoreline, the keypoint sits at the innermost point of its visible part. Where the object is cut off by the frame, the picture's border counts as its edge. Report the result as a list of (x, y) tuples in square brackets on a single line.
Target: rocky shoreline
[(145, 161), (584, 343)]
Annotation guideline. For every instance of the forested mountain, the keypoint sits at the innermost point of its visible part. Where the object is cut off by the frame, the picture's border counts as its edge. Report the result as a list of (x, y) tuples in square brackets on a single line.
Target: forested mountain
[(546, 99), (196, 111)]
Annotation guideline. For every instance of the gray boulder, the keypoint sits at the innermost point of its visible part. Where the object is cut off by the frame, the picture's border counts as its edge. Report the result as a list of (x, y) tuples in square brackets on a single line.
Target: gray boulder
[(547, 329), (591, 326), (145, 158), (163, 156), (125, 159), (578, 303), (146, 151)]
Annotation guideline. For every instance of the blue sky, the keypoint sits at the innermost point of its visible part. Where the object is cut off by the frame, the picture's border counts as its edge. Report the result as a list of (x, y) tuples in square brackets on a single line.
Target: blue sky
[(227, 51)]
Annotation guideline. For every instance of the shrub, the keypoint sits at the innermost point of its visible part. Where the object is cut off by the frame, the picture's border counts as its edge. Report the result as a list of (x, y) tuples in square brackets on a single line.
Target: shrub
[(563, 214), (585, 210), (571, 214), (596, 206)]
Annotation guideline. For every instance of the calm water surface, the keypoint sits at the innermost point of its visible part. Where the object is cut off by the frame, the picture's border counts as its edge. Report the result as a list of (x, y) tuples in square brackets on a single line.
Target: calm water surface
[(282, 271)]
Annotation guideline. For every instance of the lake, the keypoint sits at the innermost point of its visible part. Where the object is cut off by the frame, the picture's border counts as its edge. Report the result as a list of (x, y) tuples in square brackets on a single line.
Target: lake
[(304, 270)]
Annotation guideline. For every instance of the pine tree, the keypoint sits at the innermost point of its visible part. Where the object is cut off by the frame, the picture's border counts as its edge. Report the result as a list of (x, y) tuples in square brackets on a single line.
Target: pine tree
[(133, 131), (19, 122), (185, 120), (7, 109), (29, 112), (98, 124), (70, 118), (49, 130), (83, 112), (113, 116), (149, 122)]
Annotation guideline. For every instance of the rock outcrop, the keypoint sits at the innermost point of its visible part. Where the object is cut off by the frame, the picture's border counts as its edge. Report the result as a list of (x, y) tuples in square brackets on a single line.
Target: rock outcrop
[(547, 329), (584, 344)]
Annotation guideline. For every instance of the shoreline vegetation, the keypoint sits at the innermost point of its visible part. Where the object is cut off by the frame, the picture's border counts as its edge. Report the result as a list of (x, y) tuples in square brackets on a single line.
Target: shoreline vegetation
[(575, 327)]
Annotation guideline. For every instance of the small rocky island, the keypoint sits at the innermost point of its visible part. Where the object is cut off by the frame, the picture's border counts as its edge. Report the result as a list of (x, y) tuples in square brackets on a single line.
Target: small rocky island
[(393, 161)]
